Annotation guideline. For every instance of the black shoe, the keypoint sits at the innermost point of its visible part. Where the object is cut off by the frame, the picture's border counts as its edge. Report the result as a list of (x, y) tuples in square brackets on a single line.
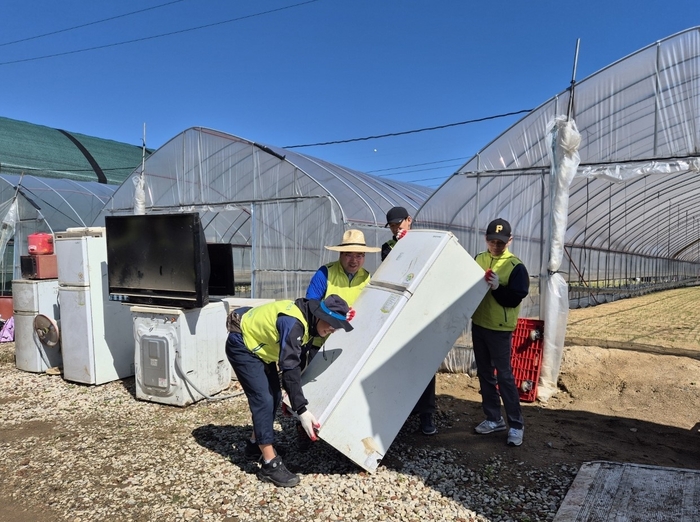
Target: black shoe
[(278, 474), (426, 424), (252, 451)]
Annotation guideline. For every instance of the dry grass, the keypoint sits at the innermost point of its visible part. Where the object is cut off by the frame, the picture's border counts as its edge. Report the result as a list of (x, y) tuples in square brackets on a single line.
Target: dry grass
[(666, 320)]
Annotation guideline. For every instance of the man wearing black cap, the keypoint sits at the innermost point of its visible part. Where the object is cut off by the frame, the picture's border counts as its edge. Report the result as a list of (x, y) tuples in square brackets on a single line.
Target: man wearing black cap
[(399, 221), (493, 323), (271, 336)]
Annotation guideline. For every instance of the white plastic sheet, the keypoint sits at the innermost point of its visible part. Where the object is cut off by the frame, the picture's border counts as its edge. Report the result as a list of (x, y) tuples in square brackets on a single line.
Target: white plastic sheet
[(565, 160)]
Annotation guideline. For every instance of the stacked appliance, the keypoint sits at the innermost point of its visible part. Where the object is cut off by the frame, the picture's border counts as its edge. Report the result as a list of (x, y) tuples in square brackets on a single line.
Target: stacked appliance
[(363, 388), (41, 263), (180, 353), (96, 338), (36, 301), (35, 307)]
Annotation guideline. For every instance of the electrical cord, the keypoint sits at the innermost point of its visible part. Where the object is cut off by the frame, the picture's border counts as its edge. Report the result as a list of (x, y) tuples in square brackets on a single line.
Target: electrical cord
[(188, 381)]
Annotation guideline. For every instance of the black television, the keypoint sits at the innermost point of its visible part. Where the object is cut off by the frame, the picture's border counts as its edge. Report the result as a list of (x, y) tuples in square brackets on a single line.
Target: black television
[(221, 280), (158, 259)]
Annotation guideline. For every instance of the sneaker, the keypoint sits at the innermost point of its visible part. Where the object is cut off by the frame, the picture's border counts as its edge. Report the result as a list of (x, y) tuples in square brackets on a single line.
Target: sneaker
[(275, 472), (490, 426), (426, 424), (515, 437)]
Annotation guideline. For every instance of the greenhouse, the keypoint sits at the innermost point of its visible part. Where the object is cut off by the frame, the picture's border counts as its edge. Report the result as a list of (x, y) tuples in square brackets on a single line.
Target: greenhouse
[(277, 208), (37, 150), (31, 204), (600, 184), (52, 179)]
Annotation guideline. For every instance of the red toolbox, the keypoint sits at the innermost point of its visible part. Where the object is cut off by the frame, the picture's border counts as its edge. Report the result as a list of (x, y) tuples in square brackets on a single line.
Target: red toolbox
[(40, 243), (526, 356)]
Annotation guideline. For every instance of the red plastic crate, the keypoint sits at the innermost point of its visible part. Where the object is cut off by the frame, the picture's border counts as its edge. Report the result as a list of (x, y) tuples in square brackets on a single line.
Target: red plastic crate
[(526, 357)]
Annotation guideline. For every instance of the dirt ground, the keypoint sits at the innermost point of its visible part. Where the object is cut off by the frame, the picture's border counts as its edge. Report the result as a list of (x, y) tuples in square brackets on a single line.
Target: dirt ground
[(637, 401)]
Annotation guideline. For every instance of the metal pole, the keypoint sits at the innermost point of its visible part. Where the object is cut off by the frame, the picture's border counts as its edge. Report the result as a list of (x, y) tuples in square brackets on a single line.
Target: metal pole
[(573, 82)]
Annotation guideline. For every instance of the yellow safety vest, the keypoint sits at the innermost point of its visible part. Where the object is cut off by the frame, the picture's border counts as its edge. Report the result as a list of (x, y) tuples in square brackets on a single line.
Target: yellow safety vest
[(489, 314), (259, 328), (339, 284)]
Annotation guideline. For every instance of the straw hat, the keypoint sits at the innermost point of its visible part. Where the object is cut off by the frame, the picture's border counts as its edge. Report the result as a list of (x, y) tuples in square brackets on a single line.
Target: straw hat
[(353, 241)]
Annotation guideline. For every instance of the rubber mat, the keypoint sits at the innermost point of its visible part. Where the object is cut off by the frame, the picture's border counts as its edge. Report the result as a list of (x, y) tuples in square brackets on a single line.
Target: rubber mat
[(611, 491)]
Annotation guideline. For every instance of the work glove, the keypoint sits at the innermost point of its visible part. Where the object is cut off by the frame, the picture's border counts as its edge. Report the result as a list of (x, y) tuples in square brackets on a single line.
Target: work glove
[(310, 424), (491, 278), (401, 233)]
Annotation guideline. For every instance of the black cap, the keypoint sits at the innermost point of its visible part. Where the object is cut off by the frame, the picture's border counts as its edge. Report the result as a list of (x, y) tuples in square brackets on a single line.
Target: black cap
[(334, 310), (498, 229), (396, 215)]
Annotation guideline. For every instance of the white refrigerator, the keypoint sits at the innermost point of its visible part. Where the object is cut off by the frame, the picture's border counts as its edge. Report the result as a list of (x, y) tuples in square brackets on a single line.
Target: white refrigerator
[(96, 334), (31, 297), (363, 384)]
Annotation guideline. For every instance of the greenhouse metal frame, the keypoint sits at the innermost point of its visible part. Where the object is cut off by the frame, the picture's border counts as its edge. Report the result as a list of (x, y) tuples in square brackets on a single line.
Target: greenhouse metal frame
[(277, 208), (33, 204)]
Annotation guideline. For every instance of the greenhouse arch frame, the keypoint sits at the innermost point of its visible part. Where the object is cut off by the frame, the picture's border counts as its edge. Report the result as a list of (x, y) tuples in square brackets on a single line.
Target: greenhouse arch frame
[(278, 208), (632, 208)]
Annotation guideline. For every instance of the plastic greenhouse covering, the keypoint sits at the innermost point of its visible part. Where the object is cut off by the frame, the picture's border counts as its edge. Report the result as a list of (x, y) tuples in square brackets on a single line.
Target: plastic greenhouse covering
[(278, 208), (625, 221), (30, 204)]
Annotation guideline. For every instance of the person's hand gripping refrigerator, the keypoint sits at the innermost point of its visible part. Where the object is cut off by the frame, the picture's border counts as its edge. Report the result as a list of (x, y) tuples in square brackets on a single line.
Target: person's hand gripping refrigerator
[(491, 278)]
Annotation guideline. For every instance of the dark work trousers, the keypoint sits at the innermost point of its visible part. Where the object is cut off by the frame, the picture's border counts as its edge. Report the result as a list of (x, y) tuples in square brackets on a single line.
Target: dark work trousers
[(260, 383), (426, 402), (492, 350)]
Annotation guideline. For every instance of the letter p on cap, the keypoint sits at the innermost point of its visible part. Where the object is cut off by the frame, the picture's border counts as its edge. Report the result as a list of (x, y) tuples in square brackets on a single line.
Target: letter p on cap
[(499, 228)]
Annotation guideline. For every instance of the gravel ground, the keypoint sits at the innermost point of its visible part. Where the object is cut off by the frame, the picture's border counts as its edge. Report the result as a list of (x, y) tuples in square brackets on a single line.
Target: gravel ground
[(78, 453)]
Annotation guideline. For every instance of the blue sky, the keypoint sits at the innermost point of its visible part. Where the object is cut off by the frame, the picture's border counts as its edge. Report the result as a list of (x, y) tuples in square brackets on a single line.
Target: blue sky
[(295, 72)]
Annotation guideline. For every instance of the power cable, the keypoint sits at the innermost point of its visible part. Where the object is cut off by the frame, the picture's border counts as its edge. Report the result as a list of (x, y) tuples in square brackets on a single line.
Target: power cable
[(89, 23), (477, 120), (414, 165), (254, 15)]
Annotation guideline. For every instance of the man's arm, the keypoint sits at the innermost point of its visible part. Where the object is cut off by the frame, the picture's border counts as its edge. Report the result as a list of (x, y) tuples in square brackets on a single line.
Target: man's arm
[(386, 249), (518, 287), (318, 284), (291, 333)]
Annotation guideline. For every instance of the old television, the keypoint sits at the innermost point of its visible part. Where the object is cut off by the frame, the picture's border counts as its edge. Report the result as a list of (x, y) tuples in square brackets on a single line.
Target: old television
[(158, 259), (221, 281)]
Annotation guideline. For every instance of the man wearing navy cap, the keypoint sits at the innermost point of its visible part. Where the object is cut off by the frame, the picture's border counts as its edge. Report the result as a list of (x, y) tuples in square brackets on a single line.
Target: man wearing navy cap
[(264, 341)]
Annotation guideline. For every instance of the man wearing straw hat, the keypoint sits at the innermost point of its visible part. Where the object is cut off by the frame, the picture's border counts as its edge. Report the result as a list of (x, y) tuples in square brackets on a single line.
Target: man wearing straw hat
[(345, 278)]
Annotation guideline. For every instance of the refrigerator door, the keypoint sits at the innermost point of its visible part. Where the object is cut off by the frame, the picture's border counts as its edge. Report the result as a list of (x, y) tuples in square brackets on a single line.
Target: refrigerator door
[(97, 339), (411, 258), (335, 367), (80, 254), (365, 387), (77, 336)]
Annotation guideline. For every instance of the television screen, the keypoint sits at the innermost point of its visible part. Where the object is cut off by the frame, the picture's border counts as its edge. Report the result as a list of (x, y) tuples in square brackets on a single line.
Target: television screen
[(158, 259), (221, 280)]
